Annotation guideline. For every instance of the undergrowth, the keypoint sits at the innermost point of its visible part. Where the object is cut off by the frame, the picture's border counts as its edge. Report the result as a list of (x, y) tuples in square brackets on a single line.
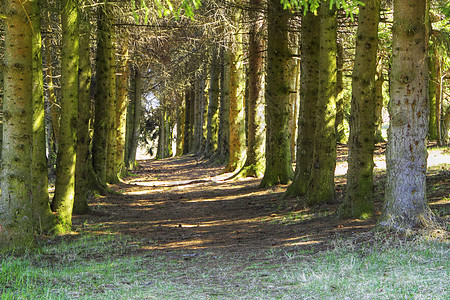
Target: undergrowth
[(367, 266)]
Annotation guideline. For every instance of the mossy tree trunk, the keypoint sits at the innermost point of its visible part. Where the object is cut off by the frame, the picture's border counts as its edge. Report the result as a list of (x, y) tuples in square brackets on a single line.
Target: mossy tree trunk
[(123, 74), (16, 206), (237, 92), (213, 105), (82, 185), (358, 201), (223, 149), (112, 168), (278, 152), (133, 120), (102, 96), (255, 162), (321, 186), (43, 216), (309, 85), (66, 159), (406, 206)]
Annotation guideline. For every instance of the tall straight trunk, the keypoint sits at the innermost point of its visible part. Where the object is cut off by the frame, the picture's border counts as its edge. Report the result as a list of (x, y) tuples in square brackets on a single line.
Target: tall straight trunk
[(379, 80), (51, 92), (80, 205), (121, 109), (213, 105), (339, 123), (16, 213), (237, 90), (294, 93), (181, 113), (321, 187), (439, 98), (309, 86), (406, 206), (433, 65), (43, 217), (187, 121), (66, 159), (223, 149), (112, 168), (278, 152), (133, 120), (160, 154), (358, 201), (168, 133), (103, 89), (203, 114), (255, 162)]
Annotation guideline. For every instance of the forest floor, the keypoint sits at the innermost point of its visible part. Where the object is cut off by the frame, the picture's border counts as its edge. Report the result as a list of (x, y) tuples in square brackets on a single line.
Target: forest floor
[(187, 204)]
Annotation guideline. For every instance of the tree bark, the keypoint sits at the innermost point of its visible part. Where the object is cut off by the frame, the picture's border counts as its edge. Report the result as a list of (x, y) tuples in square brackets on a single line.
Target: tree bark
[(309, 86), (121, 112), (237, 90), (43, 216), (16, 214), (255, 162), (278, 152), (406, 205), (66, 159), (213, 105), (82, 185), (321, 186), (358, 201)]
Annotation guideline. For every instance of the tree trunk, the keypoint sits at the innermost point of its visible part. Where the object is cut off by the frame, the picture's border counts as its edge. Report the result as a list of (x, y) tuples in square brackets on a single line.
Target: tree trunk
[(321, 188), (379, 80), (43, 217), (237, 90), (187, 121), (16, 214), (339, 124), (223, 148), (278, 152), (112, 168), (181, 114), (133, 120), (66, 160), (406, 205), (309, 85), (433, 65), (82, 190), (102, 95), (121, 112), (255, 162), (213, 105), (358, 201)]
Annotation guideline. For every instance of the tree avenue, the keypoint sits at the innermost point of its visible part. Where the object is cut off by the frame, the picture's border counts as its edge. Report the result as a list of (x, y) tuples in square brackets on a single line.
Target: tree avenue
[(220, 80)]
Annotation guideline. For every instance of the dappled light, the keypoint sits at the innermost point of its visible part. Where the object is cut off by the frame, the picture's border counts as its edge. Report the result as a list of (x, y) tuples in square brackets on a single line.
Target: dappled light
[(182, 203)]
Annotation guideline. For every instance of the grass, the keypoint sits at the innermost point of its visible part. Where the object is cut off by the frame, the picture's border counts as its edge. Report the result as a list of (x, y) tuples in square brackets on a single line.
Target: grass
[(112, 267)]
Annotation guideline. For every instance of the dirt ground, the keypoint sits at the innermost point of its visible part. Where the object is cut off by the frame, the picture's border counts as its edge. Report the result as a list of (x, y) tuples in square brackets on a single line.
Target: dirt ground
[(185, 204)]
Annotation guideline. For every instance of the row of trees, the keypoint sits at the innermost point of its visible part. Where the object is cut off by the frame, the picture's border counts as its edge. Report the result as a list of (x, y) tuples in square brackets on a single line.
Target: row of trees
[(231, 79)]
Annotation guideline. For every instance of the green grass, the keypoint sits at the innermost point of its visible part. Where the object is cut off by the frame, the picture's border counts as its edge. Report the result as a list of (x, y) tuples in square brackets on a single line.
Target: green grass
[(112, 267)]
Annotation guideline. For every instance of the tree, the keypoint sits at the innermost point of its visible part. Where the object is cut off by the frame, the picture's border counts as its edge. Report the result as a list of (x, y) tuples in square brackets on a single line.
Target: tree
[(321, 184), (309, 88), (255, 163), (237, 91), (82, 186), (103, 96), (278, 152), (63, 199), (358, 202), (16, 215), (43, 217), (406, 205)]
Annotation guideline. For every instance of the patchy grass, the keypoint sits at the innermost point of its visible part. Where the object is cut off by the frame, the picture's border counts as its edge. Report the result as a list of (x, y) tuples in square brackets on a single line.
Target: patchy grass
[(368, 266)]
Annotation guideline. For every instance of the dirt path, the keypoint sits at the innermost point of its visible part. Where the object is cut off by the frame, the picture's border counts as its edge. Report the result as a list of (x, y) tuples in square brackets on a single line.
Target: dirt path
[(183, 204)]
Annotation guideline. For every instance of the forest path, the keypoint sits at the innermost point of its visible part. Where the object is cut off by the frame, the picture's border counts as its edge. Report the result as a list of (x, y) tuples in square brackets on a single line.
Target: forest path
[(184, 204)]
